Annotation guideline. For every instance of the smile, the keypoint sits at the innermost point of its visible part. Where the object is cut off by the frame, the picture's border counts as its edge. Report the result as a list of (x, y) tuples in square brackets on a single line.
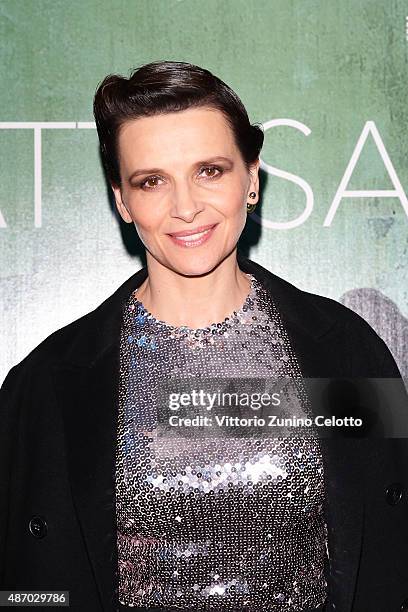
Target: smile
[(193, 240)]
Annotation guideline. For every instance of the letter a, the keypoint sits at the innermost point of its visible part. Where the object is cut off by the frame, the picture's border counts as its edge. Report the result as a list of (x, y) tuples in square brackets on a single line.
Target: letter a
[(342, 192)]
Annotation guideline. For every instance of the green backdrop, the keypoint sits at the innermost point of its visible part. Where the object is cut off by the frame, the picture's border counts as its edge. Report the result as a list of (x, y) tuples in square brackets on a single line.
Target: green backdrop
[(328, 80)]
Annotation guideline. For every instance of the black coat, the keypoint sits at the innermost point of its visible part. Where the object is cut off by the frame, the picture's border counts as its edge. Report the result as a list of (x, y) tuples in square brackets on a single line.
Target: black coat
[(57, 458)]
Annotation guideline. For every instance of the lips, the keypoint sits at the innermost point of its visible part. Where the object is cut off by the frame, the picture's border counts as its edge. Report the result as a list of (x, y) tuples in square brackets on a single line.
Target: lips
[(193, 238), (194, 232)]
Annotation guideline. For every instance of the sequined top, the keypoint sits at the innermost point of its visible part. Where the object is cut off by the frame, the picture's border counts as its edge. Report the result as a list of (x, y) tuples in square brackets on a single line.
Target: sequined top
[(214, 523)]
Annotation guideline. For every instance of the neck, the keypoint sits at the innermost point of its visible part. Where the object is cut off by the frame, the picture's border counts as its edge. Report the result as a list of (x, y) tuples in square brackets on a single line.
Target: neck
[(194, 301)]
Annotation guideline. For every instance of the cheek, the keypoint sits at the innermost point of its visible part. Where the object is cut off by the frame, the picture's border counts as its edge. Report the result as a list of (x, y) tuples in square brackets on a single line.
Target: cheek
[(236, 197), (144, 228), (144, 218), (145, 231), (236, 207)]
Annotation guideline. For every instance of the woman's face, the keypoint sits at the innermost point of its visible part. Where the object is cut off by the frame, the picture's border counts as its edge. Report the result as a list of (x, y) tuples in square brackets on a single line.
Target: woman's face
[(182, 172)]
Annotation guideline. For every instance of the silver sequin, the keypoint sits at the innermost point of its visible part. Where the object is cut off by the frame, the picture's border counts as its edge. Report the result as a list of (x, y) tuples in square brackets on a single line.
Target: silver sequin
[(214, 524)]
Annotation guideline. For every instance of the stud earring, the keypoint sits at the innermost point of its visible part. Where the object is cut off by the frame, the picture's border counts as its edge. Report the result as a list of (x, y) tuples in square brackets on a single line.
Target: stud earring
[(251, 207)]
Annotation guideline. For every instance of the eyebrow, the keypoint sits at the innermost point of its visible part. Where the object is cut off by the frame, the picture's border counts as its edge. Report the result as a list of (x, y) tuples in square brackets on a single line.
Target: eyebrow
[(199, 163)]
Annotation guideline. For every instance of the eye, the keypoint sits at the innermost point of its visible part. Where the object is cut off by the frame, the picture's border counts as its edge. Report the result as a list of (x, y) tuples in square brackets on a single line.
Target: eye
[(151, 182), (212, 168), (143, 184)]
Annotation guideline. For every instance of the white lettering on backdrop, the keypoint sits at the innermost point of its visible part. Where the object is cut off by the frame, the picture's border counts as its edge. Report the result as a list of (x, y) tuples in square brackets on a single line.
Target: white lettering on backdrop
[(341, 193)]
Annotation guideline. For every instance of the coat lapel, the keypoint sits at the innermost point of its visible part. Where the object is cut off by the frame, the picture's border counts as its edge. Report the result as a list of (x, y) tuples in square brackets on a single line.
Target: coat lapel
[(313, 336), (87, 382)]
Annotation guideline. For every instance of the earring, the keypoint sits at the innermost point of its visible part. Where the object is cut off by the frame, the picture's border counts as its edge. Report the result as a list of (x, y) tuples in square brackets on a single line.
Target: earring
[(251, 207)]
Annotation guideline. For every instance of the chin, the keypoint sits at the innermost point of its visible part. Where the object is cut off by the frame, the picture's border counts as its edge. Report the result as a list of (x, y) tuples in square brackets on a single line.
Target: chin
[(196, 266), (194, 270)]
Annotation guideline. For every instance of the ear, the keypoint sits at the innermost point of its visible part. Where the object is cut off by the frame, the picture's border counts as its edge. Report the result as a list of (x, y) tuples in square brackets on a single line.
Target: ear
[(120, 205), (254, 179)]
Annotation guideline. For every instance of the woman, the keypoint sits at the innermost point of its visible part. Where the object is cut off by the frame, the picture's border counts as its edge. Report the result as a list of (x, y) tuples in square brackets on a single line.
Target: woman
[(95, 501)]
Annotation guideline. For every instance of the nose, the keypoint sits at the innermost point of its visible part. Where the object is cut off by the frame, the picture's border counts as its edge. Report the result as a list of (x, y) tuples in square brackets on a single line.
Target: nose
[(185, 203)]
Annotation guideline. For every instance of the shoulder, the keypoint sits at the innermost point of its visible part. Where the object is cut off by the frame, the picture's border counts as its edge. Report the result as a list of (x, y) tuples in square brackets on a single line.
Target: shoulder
[(74, 343), (47, 352), (326, 320), (80, 341), (304, 307), (368, 353), (362, 340)]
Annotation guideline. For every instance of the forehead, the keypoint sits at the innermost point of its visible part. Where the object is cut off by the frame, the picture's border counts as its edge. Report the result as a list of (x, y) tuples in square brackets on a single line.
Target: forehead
[(190, 133)]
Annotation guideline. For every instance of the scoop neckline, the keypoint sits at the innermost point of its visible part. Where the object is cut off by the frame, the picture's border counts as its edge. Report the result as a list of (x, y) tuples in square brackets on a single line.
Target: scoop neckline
[(143, 312)]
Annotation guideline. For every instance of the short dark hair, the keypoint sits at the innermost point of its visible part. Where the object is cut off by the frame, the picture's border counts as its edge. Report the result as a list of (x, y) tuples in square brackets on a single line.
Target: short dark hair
[(164, 87)]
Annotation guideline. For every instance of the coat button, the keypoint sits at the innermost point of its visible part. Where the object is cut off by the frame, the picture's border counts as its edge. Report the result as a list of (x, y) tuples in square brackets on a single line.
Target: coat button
[(404, 606), (393, 495), (38, 527)]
